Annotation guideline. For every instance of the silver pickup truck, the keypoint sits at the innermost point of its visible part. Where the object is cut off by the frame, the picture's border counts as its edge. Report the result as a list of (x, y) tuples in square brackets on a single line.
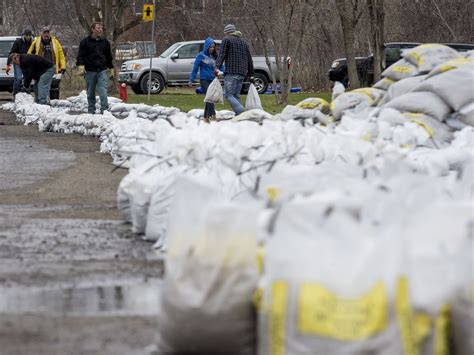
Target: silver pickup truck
[(173, 66)]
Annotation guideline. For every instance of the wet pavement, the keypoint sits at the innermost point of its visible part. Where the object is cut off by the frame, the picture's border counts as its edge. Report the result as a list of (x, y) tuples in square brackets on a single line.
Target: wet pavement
[(73, 278)]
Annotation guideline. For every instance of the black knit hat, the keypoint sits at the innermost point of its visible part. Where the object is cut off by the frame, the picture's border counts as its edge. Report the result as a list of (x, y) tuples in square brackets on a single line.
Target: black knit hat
[(27, 32)]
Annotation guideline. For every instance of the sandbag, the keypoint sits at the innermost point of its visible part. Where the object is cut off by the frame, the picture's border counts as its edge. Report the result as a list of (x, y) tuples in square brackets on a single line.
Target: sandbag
[(466, 114), (421, 102), (450, 65), (384, 84), (214, 92), (255, 115), (348, 100), (211, 275), (376, 95), (318, 299), (312, 103), (253, 100), (400, 70), (402, 87), (428, 56), (436, 130), (455, 87)]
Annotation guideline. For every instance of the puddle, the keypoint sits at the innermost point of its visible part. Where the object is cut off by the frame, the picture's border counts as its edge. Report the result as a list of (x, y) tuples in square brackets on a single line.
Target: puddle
[(131, 299)]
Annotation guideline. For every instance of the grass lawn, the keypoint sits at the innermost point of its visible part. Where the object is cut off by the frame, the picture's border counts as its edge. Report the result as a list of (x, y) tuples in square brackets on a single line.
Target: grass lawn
[(186, 99)]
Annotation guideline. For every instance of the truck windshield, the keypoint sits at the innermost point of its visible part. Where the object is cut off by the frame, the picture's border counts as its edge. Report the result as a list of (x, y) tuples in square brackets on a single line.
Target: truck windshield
[(167, 52)]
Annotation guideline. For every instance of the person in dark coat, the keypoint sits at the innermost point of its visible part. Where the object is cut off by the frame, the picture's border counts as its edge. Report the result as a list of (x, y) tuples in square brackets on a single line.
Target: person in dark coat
[(38, 69), (21, 45), (94, 61)]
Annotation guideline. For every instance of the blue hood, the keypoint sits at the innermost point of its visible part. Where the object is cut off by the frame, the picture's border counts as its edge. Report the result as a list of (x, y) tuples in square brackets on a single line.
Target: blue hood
[(207, 44)]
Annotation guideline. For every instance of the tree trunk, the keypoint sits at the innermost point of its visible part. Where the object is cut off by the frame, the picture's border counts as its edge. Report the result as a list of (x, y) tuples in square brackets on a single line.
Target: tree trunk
[(348, 34), (377, 24)]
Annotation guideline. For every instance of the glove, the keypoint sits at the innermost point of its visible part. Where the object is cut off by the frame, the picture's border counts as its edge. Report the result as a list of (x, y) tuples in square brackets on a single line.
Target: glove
[(62, 71), (190, 83), (252, 79), (111, 73), (7, 69), (81, 70)]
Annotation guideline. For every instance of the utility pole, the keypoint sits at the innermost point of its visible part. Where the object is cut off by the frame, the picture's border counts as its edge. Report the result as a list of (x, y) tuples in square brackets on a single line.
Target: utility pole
[(152, 43)]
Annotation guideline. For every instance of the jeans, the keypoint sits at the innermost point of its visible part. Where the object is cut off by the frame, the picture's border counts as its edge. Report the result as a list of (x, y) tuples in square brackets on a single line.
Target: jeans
[(232, 86), (18, 74), (42, 86), (99, 80), (209, 110)]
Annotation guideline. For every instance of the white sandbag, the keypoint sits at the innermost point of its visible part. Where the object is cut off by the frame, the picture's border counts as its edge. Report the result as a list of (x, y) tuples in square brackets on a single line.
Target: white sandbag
[(347, 101), (312, 103), (384, 83), (450, 65), (466, 114), (160, 204), (321, 291), (210, 275), (455, 87), (400, 70), (421, 102), (428, 56), (255, 115), (338, 90), (402, 87), (253, 100), (376, 95), (214, 92), (436, 130)]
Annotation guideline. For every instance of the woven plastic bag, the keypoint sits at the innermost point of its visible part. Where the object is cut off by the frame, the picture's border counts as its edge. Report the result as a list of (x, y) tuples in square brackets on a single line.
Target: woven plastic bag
[(428, 56), (253, 100), (211, 274), (322, 293), (214, 92), (400, 70)]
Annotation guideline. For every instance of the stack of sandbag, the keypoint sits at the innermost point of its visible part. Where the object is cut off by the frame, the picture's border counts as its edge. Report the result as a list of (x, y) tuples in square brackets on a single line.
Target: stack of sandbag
[(211, 274), (78, 104), (144, 111)]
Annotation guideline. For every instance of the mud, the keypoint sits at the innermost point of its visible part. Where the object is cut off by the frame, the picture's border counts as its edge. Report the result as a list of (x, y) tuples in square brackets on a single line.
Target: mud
[(73, 278)]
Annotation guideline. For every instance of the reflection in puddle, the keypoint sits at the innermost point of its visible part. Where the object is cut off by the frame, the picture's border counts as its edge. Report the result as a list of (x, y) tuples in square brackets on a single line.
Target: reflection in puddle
[(141, 299)]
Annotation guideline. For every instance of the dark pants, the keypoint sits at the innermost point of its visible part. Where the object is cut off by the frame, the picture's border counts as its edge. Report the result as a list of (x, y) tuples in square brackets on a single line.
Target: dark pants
[(209, 110)]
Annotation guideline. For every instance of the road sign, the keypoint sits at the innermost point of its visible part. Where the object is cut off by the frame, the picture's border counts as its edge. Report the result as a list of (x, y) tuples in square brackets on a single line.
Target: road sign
[(148, 12)]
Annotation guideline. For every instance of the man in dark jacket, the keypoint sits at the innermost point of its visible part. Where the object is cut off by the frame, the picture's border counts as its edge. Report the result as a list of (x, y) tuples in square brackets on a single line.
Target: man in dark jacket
[(235, 54), (38, 69), (93, 60), (21, 45)]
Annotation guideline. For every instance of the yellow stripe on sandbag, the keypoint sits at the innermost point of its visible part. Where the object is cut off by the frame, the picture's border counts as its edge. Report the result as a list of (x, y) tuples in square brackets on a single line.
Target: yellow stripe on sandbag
[(405, 318), (278, 318)]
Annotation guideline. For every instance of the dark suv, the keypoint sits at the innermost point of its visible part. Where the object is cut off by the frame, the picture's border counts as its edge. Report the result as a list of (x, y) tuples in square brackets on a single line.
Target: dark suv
[(365, 65)]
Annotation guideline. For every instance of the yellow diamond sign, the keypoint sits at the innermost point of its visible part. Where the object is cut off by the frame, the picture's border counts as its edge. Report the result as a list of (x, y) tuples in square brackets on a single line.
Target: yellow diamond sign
[(148, 12)]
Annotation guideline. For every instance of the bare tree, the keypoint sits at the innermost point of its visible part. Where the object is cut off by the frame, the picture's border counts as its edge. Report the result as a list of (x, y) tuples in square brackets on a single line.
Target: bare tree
[(377, 25), (280, 27), (350, 12)]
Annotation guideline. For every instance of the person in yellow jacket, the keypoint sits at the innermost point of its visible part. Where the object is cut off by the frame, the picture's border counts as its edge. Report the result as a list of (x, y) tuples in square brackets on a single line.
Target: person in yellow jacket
[(48, 47)]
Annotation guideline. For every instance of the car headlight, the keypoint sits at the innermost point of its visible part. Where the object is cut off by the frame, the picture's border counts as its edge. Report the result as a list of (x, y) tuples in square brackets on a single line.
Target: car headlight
[(334, 64), (135, 66)]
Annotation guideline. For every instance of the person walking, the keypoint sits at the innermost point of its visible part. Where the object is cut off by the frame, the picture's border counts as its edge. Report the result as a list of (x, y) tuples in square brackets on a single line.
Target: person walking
[(93, 60), (38, 69), (235, 55), (205, 63), (48, 47), (21, 46)]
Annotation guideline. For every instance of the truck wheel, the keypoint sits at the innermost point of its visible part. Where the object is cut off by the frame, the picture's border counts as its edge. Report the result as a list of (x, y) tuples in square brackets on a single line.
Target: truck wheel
[(261, 83), (157, 83)]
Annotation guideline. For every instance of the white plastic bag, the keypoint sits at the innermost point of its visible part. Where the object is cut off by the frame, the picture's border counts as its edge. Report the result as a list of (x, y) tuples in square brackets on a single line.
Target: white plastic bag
[(214, 92), (253, 100)]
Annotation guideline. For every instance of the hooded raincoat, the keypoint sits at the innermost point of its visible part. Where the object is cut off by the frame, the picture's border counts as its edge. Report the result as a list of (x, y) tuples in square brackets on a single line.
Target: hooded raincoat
[(205, 63)]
